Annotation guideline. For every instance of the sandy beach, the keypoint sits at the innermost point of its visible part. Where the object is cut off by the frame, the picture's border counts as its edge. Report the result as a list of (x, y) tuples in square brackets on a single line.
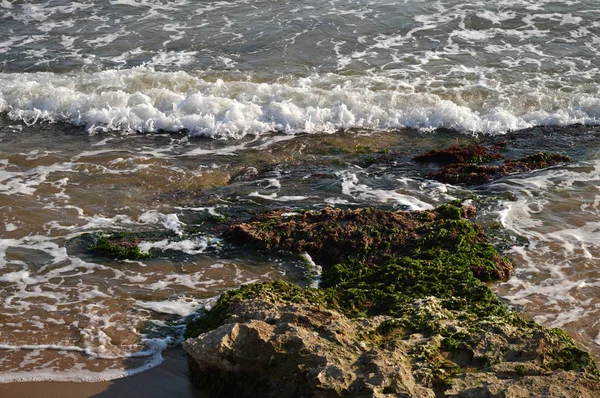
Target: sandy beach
[(169, 379)]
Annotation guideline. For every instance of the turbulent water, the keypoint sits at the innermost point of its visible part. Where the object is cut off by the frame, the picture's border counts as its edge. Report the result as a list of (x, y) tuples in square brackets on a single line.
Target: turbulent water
[(154, 115)]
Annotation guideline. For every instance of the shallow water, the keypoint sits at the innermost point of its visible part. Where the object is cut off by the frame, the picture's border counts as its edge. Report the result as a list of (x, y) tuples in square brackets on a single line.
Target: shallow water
[(557, 282), (68, 315), (161, 117)]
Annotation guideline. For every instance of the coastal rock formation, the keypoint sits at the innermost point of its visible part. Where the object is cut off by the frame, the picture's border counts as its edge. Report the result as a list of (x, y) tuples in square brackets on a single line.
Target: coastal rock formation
[(469, 164), (402, 311), (275, 348), (288, 349)]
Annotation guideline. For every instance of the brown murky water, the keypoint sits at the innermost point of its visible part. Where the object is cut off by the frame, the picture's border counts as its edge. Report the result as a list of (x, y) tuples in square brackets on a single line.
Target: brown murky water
[(557, 281), (67, 315)]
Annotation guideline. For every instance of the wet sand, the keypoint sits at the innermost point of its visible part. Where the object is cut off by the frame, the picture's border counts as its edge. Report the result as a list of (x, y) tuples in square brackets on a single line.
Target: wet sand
[(169, 379)]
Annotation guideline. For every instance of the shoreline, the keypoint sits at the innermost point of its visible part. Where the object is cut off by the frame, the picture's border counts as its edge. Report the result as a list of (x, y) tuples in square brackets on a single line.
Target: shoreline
[(169, 379)]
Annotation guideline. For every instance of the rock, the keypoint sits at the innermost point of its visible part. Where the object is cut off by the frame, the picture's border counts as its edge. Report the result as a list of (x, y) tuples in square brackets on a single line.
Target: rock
[(469, 164), (470, 154), (331, 236), (273, 348), (402, 312), (473, 174), (299, 350), (560, 384), (115, 245)]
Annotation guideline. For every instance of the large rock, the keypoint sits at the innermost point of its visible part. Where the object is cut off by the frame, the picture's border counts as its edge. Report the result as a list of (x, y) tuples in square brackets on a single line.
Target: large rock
[(273, 348), (403, 311), (290, 350)]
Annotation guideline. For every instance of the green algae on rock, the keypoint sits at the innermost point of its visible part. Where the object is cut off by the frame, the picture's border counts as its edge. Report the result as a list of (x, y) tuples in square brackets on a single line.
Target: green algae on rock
[(372, 237), (472, 174), (121, 245), (469, 154), (402, 310), (148, 244), (469, 165), (276, 339)]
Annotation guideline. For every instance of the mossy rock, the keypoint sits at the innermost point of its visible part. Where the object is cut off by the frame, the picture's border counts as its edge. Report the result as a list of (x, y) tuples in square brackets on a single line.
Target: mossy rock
[(470, 165), (421, 274), (468, 154), (377, 262), (121, 245)]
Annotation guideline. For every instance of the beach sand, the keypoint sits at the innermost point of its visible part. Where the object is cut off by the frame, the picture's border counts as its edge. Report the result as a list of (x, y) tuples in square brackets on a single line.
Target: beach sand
[(169, 379)]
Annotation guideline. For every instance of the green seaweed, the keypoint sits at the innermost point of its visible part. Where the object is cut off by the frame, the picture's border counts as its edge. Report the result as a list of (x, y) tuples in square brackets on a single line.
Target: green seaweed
[(277, 292), (118, 245), (421, 269), (377, 262)]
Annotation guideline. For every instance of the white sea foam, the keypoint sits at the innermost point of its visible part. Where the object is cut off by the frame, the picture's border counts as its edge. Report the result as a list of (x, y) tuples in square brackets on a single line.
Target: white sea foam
[(555, 279), (182, 306), (274, 196), (10, 227), (352, 187), (315, 269), (148, 101), (76, 374), (169, 221), (196, 245)]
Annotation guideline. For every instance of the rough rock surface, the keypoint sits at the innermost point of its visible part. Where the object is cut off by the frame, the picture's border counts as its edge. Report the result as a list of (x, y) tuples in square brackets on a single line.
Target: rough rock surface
[(468, 164), (273, 348), (402, 311), (299, 350)]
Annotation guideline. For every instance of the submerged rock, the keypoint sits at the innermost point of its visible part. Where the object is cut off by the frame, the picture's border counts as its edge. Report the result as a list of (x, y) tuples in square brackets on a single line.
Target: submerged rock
[(120, 245), (470, 154), (146, 245), (469, 164), (402, 311), (472, 174)]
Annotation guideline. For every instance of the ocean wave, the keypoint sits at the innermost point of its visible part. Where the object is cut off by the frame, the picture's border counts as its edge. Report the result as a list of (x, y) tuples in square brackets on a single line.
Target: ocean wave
[(147, 101)]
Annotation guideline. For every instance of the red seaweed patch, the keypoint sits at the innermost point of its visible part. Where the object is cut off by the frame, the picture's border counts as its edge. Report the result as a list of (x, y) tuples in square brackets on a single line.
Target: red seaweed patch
[(469, 165)]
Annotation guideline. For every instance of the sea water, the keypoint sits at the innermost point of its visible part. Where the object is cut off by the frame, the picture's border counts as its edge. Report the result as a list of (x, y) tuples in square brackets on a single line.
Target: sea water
[(151, 115)]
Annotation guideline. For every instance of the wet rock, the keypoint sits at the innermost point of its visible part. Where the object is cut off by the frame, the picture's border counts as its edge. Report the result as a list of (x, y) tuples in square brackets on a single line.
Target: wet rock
[(272, 346), (247, 174), (144, 245), (471, 154), (468, 165), (333, 236), (121, 246), (473, 174), (402, 312)]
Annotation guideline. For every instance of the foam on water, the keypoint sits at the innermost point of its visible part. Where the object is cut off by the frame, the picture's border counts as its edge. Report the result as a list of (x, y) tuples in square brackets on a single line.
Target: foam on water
[(143, 100), (196, 245), (94, 316), (352, 187), (183, 306), (228, 69), (66, 303), (316, 270), (78, 373), (556, 281)]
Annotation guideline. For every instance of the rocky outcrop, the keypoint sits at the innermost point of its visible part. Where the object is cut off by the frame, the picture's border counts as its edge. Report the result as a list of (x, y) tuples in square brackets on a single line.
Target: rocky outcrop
[(287, 349), (469, 164), (274, 347), (402, 312)]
